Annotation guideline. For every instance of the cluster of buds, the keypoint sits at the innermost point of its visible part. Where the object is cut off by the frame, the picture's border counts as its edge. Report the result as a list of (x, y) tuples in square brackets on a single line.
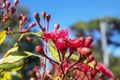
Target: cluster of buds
[(8, 9), (46, 18)]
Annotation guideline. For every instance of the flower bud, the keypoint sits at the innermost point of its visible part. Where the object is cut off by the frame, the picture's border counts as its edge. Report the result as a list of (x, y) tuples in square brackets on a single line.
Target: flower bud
[(24, 18), (88, 41), (5, 19), (85, 51), (3, 5), (20, 16), (90, 58), (39, 49), (47, 17), (13, 10), (7, 4), (56, 26), (15, 3), (36, 16), (30, 39), (43, 15), (31, 25)]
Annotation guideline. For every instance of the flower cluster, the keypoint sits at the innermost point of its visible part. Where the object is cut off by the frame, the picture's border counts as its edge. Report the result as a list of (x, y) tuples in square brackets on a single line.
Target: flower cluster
[(82, 66), (72, 58)]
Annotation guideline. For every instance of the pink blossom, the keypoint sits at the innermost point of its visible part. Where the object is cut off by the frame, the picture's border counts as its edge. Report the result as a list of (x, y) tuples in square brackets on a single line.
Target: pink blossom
[(61, 45), (75, 42), (101, 68), (56, 34)]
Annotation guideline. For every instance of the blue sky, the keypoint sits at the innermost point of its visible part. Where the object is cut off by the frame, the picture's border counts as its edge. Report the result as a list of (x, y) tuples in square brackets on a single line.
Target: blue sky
[(67, 12)]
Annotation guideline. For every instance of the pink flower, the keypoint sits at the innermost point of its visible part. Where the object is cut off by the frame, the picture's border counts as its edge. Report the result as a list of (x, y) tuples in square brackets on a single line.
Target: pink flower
[(101, 68), (56, 34), (75, 42), (61, 45), (84, 67)]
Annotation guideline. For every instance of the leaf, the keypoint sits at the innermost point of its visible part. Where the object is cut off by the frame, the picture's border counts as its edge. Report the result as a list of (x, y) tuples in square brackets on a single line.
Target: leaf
[(5, 76), (73, 57), (56, 78), (89, 64), (31, 54), (35, 33), (7, 66), (53, 51), (14, 61), (2, 35), (11, 50)]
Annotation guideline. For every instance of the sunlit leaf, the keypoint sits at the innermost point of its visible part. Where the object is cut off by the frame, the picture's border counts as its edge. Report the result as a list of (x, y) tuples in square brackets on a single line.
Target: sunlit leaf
[(89, 64), (11, 50), (36, 33), (53, 52), (56, 78), (14, 61), (5, 76), (73, 57), (31, 54), (7, 66), (2, 35)]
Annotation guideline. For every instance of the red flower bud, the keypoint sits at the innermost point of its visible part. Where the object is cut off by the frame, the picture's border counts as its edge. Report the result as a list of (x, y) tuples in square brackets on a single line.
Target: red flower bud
[(85, 51), (90, 58), (56, 26), (3, 5), (31, 25), (43, 15), (15, 3), (47, 17), (7, 4), (39, 49), (13, 10), (88, 42), (30, 39), (24, 18), (36, 16)]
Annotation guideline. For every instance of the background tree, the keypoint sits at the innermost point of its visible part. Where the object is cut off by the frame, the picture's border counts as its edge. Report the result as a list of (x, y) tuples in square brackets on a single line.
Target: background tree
[(92, 28)]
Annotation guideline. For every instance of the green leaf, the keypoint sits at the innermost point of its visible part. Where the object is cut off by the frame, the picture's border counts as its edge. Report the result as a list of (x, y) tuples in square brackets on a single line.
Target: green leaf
[(6, 66), (73, 57), (14, 61), (36, 33), (56, 78), (2, 35), (53, 51), (89, 64), (11, 50), (32, 54), (5, 76)]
